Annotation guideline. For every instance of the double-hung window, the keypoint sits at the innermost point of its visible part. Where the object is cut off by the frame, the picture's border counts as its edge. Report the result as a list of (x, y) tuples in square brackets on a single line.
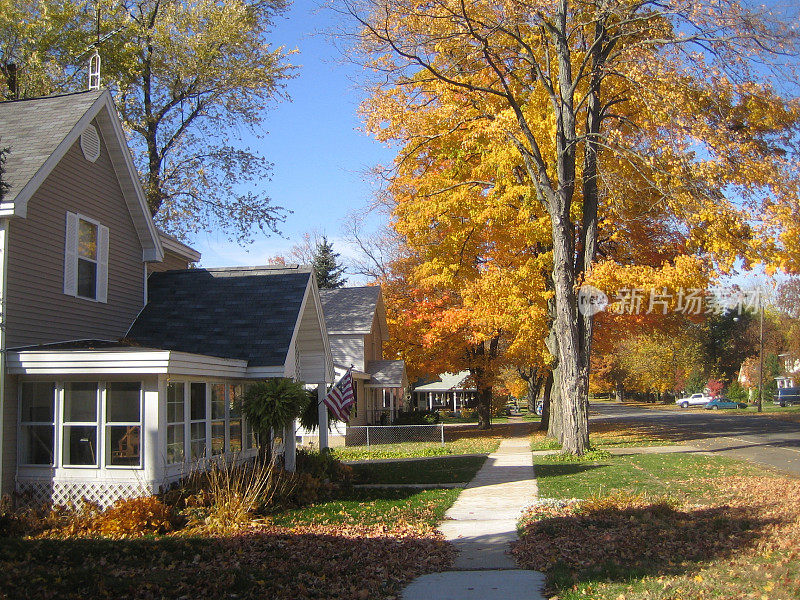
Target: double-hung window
[(197, 418), (235, 418), (217, 418), (79, 444), (37, 423), (123, 424), (176, 423), (86, 258)]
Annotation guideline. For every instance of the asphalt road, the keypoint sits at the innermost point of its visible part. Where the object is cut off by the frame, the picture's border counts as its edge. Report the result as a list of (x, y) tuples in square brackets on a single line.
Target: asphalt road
[(764, 440)]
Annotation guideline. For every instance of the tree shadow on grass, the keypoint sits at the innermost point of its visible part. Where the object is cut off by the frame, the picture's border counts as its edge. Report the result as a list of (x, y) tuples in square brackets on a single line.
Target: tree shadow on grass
[(617, 542), (272, 562)]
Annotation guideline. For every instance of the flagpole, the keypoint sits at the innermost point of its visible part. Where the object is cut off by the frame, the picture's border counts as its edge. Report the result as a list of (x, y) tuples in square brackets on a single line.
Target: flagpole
[(322, 415)]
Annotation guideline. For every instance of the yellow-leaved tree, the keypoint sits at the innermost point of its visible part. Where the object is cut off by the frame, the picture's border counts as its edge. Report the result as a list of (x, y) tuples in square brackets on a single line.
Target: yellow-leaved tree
[(186, 76), (614, 111)]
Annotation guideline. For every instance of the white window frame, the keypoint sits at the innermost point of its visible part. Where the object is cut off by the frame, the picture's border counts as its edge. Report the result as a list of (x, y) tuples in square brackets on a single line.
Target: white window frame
[(106, 439), (97, 424), (71, 258), (205, 421), (53, 424), (212, 420), (229, 418), (183, 423)]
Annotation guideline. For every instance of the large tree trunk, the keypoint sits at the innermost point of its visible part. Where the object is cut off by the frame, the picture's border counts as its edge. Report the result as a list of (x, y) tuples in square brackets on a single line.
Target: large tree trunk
[(544, 425), (482, 359), (484, 406), (572, 376)]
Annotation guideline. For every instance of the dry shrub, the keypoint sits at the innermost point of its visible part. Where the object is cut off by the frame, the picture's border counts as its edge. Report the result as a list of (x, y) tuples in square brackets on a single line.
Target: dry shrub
[(323, 465), (135, 516), (128, 517), (295, 489), (30, 519)]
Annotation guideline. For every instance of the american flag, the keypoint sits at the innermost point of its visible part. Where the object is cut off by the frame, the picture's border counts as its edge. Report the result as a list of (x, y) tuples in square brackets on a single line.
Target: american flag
[(341, 398)]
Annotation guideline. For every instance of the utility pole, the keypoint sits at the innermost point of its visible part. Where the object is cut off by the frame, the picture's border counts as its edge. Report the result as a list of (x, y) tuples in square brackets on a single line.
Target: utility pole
[(760, 352)]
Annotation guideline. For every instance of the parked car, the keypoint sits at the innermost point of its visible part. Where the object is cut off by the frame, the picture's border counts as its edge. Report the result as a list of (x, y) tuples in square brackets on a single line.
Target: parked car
[(718, 403), (787, 396), (693, 400)]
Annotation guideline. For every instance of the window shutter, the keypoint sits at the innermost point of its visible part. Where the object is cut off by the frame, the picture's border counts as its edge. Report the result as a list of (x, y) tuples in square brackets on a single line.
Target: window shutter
[(71, 256), (102, 263)]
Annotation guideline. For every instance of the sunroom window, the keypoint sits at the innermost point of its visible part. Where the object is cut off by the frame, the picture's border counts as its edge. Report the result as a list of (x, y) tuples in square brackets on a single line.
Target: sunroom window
[(176, 423), (80, 424), (197, 416), (123, 424), (37, 423), (235, 416), (217, 418)]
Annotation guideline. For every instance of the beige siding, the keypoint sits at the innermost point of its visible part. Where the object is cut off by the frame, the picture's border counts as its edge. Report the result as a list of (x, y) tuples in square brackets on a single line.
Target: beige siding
[(172, 262), (38, 309), (348, 350), (9, 450)]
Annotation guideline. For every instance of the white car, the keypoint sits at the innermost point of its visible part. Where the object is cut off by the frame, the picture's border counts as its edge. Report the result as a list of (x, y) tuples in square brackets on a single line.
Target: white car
[(693, 400)]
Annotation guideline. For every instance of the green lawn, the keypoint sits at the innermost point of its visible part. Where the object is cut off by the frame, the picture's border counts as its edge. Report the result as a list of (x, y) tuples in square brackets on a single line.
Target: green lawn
[(447, 469), (465, 445), (474, 419), (617, 435), (384, 506), (651, 474)]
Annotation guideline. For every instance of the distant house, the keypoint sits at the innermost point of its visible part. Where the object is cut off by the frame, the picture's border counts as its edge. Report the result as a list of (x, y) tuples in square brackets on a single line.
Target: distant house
[(120, 366), (357, 329), (450, 392), (791, 371)]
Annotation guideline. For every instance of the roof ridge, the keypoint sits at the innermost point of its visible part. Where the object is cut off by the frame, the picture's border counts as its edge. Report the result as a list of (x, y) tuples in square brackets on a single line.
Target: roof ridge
[(268, 267), (305, 269), (98, 93)]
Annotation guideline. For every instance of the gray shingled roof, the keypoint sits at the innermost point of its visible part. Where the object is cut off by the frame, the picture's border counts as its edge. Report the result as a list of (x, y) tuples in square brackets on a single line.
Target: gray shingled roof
[(33, 128), (247, 313), (387, 373), (350, 310)]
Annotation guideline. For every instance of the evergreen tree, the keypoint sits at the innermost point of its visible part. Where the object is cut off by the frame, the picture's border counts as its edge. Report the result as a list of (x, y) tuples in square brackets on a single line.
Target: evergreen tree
[(326, 265)]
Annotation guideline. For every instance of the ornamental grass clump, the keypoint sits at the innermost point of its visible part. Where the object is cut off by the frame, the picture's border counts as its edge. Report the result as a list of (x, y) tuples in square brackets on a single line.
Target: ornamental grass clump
[(228, 495)]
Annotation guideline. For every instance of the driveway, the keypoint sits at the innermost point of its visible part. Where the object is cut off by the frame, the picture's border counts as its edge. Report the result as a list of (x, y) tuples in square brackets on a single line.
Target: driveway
[(759, 439)]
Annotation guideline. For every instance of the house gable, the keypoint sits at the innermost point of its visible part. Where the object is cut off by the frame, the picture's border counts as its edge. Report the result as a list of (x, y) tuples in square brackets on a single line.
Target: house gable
[(38, 309), (41, 131)]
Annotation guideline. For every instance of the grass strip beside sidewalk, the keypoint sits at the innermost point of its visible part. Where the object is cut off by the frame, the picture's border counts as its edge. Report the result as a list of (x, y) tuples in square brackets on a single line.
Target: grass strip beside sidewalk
[(464, 445), (447, 469)]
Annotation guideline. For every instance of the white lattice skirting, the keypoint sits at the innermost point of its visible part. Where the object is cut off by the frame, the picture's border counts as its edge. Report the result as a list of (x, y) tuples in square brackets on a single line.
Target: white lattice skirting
[(59, 493)]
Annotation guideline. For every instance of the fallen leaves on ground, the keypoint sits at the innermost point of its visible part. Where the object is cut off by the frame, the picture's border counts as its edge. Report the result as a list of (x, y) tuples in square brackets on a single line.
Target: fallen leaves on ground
[(265, 561), (743, 541)]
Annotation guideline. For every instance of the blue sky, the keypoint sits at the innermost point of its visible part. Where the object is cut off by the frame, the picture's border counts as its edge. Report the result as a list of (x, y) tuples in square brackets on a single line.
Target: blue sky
[(320, 157)]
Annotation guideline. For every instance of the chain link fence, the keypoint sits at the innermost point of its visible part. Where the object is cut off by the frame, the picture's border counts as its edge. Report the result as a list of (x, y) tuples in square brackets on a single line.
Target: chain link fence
[(374, 435)]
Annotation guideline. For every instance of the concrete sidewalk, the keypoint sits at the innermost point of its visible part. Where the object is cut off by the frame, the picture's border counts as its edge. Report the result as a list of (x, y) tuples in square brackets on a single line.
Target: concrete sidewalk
[(481, 524)]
